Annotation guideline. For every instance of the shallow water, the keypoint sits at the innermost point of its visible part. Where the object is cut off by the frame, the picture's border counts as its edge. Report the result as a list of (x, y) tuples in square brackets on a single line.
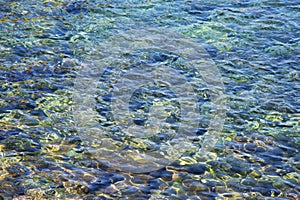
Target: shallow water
[(64, 130)]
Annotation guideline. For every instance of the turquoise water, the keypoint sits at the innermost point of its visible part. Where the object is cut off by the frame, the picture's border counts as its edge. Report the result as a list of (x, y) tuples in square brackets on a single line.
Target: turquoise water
[(46, 151)]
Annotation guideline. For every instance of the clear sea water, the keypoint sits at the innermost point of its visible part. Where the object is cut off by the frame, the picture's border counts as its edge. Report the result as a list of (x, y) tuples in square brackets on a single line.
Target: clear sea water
[(151, 99)]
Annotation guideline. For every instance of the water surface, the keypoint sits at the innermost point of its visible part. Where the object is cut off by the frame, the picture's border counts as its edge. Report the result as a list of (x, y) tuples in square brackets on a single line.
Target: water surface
[(255, 47)]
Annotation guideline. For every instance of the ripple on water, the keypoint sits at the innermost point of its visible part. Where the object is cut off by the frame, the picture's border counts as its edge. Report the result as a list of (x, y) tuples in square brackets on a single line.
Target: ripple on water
[(255, 45)]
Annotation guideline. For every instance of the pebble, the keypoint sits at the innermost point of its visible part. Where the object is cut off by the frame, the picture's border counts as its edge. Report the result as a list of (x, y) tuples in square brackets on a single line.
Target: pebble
[(196, 168), (157, 184), (163, 174), (232, 195), (255, 173), (249, 182), (28, 120), (111, 189), (195, 185)]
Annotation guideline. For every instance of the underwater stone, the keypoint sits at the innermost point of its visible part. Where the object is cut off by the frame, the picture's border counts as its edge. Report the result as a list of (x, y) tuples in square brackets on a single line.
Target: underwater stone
[(196, 168), (30, 121)]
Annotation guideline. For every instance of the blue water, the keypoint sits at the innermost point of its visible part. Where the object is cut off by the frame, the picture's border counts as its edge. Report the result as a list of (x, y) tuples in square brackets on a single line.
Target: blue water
[(47, 151)]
